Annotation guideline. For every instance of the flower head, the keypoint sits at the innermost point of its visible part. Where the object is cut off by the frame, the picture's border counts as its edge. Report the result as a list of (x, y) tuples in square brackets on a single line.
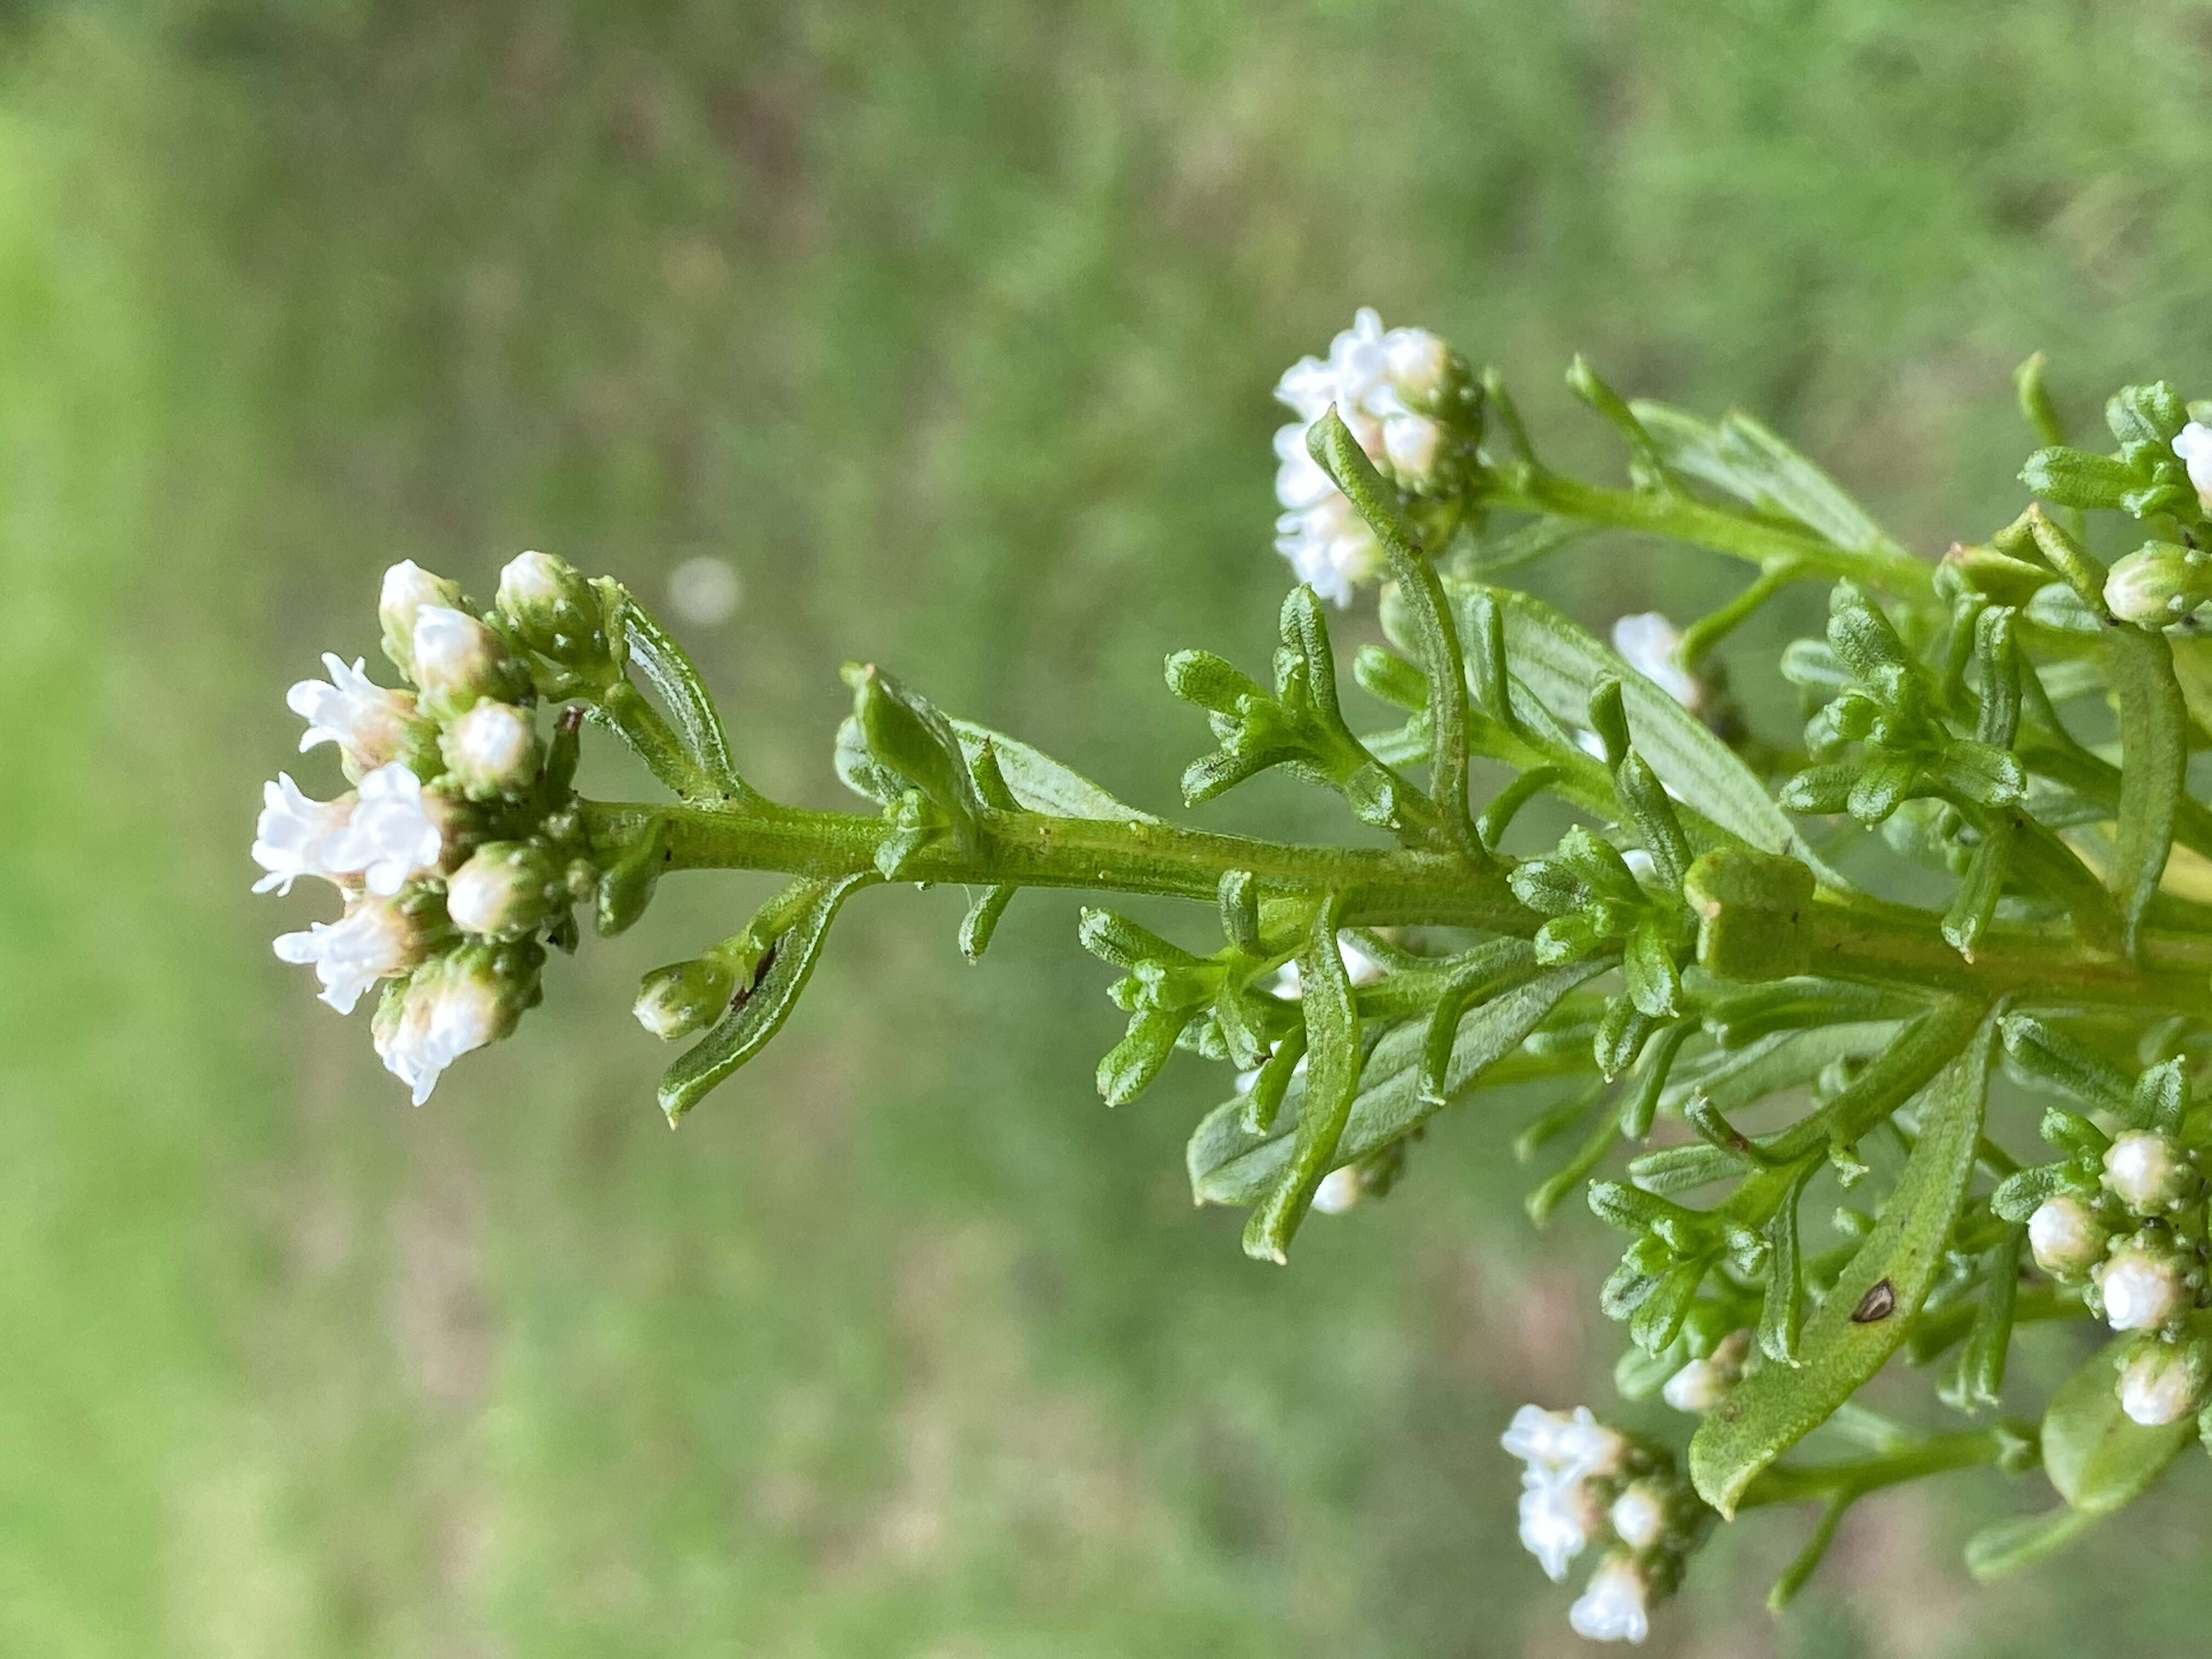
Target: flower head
[(2065, 1236), (1564, 1444), (407, 589), (294, 835), (450, 1006), (1557, 1519), (370, 724), (458, 659), (491, 749), (2163, 1382), (376, 939), (2142, 1289), (393, 835), (2193, 444), (1615, 1605), (1647, 643)]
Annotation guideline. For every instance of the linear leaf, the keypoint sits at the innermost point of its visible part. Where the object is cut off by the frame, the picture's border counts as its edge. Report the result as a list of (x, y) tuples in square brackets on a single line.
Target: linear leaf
[(1744, 457), (2154, 766), (1040, 783), (1870, 1310), (744, 1030), (1229, 1163), (673, 678), (1333, 1066)]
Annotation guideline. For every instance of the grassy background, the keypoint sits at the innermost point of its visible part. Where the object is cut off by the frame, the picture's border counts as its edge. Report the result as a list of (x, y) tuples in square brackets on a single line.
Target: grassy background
[(953, 329)]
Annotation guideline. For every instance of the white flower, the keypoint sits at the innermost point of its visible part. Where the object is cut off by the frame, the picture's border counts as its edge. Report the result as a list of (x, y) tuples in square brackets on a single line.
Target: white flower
[(456, 657), (446, 1013), (1556, 1521), (492, 749), (1616, 1604), (374, 941), (1419, 364), (1329, 547), (1638, 1516), (1338, 1190), (2193, 444), (2141, 1291), (1700, 1385), (2163, 1382), (1647, 642), (294, 835), (1563, 1444), (1358, 966), (407, 588), (392, 836), (2065, 1238), (2148, 1172), (1413, 444), (368, 723)]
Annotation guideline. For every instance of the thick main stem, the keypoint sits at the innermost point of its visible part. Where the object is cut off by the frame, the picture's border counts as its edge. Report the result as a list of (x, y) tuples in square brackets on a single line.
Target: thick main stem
[(1382, 886)]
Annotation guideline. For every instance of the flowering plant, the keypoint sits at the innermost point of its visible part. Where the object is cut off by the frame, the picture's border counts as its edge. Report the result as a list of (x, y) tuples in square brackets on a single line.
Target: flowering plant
[(1768, 973)]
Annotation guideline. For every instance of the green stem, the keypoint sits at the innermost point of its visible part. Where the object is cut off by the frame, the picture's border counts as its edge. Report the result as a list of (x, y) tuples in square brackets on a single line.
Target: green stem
[(1791, 1483), (1382, 886), (1685, 519)]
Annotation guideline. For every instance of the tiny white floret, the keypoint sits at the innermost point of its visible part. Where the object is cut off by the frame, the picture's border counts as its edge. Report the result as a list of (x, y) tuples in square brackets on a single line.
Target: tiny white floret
[(1639, 1515), (1616, 1604), (294, 835), (1647, 642), (374, 941), (2064, 1236), (368, 722), (1569, 1444), (392, 836), (445, 1014), (2193, 444), (1556, 1519), (492, 748)]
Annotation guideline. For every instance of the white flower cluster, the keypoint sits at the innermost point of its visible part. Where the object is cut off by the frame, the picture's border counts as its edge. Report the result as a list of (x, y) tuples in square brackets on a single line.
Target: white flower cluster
[(2125, 1241), (1406, 399), (1583, 1483), (451, 852)]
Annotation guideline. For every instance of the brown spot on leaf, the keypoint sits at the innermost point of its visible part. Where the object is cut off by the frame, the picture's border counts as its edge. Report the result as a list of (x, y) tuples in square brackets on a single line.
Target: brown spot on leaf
[(1877, 1304)]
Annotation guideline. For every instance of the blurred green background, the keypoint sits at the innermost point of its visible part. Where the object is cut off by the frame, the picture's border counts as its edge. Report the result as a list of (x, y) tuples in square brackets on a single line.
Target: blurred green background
[(952, 329)]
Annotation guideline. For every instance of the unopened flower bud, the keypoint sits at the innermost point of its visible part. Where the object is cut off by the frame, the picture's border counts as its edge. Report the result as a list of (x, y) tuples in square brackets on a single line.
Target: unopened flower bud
[(2142, 1289), (1700, 1385), (458, 661), (1647, 643), (2065, 1238), (450, 1005), (1412, 444), (1419, 364), (407, 589), (491, 749), (2150, 1172), (1338, 1190), (1639, 1515), (684, 997), (507, 891), (554, 610), (2159, 585), (2164, 1382)]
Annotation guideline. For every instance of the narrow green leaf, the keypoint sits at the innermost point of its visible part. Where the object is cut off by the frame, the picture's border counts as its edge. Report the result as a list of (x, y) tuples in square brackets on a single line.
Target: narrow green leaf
[(744, 1030), (1232, 1165), (1744, 458), (1866, 1316), (1560, 662), (1435, 632), (1807, 1560), (2098, 1457), (2154, 766), (2005, 1546), (1130, 1065), (1782, 1313), (675, 682), (1333, 1066), (1040, 783), (982, 920)]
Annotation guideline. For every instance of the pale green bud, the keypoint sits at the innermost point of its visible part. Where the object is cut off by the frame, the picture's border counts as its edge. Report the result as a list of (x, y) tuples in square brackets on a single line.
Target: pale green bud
[(2150, 1172), (2159, 584), (553, 610), (2164, 1382), (684, 997), (458, 661), (507, 891), (2065, 1236), (491, 749), (407, 589)]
